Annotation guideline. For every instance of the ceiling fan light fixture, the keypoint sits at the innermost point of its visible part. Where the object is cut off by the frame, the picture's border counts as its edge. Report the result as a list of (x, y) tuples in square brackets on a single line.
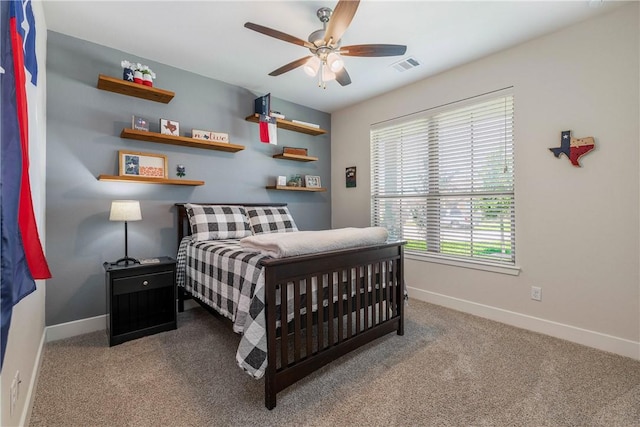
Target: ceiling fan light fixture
[(317, 37), (325, 45), (327, 74), (311, 66), (335, 62)]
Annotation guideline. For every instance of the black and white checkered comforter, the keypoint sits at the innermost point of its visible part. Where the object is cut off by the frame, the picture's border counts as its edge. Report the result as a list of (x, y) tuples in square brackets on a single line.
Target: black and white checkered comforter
[(231, 280)]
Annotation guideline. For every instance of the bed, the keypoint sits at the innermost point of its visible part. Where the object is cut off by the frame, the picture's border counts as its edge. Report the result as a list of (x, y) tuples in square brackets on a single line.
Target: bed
[(336, 300)]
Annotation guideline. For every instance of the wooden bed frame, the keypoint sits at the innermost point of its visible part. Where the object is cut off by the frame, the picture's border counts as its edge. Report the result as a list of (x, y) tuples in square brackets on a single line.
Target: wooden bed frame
[(307, 343)]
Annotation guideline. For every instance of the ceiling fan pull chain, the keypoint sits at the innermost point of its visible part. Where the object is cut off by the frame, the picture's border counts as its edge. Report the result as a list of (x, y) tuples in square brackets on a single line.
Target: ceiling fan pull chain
[(324, 82)]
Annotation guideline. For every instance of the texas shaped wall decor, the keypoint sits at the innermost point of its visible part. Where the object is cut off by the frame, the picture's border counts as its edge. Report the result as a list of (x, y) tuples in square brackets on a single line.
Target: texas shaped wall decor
[(574, 148)]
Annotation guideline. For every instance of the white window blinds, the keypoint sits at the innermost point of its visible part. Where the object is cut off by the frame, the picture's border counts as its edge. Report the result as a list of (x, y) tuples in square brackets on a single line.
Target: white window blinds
[(443, 180)]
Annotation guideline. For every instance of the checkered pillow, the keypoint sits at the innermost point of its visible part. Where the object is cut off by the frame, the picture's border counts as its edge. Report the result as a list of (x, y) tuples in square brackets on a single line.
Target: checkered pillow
[(270, 220), (213, 222)]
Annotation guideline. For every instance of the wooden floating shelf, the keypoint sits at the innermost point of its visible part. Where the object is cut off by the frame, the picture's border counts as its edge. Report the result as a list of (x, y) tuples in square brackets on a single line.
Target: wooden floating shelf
[(124, 87), (142, 135), (146, 180), (289, 125), (287, 188), (296, 157)]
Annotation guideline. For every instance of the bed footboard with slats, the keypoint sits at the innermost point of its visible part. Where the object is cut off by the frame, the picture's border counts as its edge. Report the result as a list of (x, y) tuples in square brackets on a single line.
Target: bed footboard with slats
[(358, 296), (336, 302)]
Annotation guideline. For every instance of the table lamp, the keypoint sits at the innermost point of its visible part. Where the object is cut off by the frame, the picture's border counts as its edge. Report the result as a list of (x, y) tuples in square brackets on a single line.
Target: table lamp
[(125, 210)]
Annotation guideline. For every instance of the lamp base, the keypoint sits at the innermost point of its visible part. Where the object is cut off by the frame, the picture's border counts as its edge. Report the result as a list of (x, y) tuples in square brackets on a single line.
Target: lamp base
[(126, 260)]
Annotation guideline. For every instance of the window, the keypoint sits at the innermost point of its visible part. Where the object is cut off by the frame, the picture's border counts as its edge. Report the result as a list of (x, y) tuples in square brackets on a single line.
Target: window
[(443, 180)]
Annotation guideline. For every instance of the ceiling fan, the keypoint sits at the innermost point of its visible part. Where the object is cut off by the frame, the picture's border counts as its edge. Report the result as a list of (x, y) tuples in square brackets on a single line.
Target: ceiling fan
[(326, 60)]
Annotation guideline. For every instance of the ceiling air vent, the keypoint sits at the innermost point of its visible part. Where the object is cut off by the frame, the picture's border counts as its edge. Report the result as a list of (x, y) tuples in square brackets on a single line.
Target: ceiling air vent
[(406, 64)]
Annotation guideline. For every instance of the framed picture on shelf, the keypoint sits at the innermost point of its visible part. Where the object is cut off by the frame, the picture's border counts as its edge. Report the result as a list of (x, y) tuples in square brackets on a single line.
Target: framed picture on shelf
[(169, 127), (139, 123), (311, 181), (149, 165)]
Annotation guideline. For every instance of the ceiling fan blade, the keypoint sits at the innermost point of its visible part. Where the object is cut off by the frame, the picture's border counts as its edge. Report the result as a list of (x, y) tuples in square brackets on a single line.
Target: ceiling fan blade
[(340, 19), (290, 66), (343, 77), (277, 34), (373, 50)]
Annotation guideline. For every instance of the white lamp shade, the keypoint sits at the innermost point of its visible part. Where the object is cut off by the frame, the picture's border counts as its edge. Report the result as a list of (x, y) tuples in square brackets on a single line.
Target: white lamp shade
[(335, 62), (311, 66), (125, 210), (327, 74)]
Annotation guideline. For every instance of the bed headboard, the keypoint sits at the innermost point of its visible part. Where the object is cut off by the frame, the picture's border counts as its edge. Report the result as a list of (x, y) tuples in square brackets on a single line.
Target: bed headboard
[(184, 229)]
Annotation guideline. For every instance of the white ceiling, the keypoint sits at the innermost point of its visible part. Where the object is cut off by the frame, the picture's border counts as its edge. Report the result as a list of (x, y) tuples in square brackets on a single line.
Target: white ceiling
[(208, 38)]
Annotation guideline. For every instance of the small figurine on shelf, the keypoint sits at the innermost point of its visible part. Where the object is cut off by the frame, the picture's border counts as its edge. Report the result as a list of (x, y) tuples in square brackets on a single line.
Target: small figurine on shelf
[(295, 181), (147, 76), (127, 70), (181, 170), (137, 73)]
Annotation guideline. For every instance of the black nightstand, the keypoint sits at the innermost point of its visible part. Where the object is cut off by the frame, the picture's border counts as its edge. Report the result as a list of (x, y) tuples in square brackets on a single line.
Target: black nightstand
[(141, 299)]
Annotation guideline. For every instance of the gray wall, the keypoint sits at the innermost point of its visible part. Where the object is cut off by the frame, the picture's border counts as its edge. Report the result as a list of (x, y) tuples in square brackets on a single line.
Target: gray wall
[(83, 128)]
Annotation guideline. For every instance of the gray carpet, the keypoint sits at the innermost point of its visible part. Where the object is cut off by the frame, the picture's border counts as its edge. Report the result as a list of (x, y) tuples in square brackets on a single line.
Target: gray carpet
[(450, 369)]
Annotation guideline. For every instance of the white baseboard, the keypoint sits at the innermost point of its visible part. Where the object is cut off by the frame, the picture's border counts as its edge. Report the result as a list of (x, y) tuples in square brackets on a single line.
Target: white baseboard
[(25, 418), (574, 334), (76, 327), (90, 324)]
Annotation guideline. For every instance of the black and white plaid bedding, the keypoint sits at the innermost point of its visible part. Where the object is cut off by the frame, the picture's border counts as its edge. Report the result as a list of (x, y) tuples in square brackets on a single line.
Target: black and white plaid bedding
[(231, 280), (270, 220)]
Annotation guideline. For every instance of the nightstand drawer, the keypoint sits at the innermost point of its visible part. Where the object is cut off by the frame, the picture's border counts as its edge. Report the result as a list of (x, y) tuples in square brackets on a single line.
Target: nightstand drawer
[(142, 282)]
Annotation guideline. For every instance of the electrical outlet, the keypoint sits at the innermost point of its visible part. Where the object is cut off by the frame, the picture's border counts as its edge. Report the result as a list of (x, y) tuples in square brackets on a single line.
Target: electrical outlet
[(536, 293)]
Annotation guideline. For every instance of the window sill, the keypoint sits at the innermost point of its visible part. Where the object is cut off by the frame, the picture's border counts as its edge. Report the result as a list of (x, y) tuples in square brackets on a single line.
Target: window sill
[(484, 266)]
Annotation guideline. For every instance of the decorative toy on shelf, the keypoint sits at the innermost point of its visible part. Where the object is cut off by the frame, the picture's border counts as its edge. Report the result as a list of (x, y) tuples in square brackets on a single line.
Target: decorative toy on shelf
[(573, 148), (137, 73), (295, 181), (127, 70)]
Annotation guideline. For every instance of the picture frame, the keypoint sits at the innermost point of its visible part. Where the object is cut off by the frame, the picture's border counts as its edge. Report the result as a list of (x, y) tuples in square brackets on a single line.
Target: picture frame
[(311, 181), (139, 123), (169, 127), (350, 176), (148, 165)]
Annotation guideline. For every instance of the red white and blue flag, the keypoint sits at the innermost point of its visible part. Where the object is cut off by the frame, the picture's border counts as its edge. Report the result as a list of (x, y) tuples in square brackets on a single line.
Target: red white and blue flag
[(268, 129), (22, 257)]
